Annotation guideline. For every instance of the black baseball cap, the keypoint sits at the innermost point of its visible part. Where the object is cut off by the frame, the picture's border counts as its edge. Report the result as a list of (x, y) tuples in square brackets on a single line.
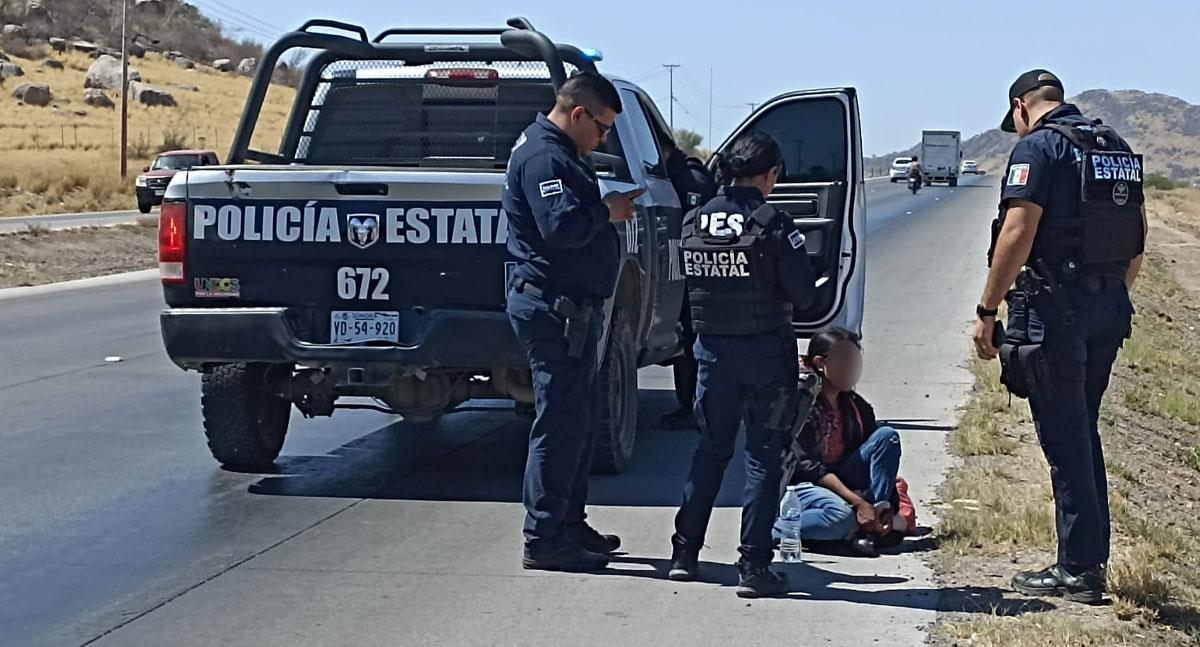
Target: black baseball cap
[(1026, 83)]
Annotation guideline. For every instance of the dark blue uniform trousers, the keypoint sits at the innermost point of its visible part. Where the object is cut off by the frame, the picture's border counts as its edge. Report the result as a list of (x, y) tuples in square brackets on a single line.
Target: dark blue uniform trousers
[(1081, 358), (739, 377), (566, 404)]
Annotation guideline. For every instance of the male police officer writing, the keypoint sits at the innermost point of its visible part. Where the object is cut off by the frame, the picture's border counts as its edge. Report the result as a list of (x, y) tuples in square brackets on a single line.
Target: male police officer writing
[(567, 252), (746, 268), (1070, 235)]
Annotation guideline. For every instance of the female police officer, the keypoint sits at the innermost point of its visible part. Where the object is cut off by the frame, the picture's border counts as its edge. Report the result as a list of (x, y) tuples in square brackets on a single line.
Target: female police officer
[(746, 268)]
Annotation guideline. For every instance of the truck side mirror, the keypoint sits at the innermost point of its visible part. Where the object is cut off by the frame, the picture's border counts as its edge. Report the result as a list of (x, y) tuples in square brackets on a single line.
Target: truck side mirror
[(145, 169), (611, 165)]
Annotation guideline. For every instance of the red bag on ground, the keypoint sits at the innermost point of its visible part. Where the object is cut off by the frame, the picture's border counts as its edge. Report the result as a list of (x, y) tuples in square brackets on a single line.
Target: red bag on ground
[(908, 511)]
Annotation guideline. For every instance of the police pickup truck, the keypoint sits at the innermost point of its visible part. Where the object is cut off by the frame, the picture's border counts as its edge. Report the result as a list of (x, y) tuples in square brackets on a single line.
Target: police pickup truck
[(363, 263)]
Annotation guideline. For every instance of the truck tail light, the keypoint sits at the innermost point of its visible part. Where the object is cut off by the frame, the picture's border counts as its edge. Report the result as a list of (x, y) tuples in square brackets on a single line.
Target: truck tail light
[(172, 223)]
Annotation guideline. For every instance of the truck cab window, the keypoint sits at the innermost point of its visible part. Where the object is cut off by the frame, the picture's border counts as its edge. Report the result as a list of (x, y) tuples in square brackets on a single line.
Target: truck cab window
[(645, 147)]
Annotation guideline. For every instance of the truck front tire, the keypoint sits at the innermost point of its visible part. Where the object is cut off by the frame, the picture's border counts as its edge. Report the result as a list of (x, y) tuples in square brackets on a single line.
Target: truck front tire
[(244, 421), (144, 207), (617, 384)]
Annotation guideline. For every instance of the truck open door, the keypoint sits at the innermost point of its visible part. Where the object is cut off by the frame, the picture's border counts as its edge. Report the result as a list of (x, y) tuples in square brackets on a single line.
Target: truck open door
[(821, 188)]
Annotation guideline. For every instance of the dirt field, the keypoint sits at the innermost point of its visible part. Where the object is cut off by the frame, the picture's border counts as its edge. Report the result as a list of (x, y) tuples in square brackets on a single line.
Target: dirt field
[(998, 507), (41, 257), (63, 157)]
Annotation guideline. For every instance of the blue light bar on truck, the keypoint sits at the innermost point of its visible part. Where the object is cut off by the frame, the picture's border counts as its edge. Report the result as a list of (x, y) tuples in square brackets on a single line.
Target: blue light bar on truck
[(592, 54)]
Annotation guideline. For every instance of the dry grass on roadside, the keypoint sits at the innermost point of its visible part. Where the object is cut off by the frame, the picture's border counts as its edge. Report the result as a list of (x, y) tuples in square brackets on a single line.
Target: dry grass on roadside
[(53, 159), (986, 422), (1037, 630), (996, 505)]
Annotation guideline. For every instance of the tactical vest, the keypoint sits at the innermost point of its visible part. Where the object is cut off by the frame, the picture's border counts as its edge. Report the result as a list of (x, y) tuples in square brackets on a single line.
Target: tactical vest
[(1107, 225), (732, 282)]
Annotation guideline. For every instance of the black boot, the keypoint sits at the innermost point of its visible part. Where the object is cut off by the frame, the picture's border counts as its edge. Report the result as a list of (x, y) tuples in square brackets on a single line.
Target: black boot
[(685, 565), (1056, 581), (567, 558), (589, 539), (758, 581)]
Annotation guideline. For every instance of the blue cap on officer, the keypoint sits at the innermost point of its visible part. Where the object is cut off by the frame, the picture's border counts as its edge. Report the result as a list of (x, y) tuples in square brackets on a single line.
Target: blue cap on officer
[(1026, 83)]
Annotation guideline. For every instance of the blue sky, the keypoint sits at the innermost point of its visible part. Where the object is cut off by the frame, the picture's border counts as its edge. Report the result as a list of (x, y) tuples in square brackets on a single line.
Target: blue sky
[(968, 53)]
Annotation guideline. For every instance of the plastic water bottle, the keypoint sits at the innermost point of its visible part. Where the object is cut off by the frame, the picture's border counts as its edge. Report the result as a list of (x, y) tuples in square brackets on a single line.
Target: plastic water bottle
[(789, 525)]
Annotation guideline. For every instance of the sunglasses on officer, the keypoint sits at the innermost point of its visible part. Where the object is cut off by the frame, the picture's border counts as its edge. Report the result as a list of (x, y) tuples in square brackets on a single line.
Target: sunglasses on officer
[(601, 127)]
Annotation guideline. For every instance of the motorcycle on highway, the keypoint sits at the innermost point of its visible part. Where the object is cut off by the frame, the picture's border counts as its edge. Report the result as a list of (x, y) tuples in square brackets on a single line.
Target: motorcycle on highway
[(915, 173)]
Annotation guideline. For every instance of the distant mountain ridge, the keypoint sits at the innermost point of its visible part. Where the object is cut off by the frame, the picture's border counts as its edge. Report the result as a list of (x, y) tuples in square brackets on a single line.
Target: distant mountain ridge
[(1165, 129)]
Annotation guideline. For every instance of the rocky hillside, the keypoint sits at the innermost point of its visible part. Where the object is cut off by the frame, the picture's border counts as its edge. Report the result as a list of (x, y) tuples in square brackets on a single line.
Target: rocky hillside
[(176, 25), (1163, 128)]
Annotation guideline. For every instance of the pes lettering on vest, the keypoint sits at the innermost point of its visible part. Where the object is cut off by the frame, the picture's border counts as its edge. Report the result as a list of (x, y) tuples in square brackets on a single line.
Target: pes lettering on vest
[(360, 225)]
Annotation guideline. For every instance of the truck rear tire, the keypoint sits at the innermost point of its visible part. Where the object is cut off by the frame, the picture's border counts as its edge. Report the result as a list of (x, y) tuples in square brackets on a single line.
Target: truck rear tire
[(245, 422), (617, 383)]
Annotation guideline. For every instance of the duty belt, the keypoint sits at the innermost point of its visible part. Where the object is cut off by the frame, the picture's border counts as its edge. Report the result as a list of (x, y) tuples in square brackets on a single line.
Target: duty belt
[(576, 312)]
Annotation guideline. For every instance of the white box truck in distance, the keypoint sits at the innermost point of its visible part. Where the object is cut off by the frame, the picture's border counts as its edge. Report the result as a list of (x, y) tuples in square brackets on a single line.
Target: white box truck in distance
[(940, 156)]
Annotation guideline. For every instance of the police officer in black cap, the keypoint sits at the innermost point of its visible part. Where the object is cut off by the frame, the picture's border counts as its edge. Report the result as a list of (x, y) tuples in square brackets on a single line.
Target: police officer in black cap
[(1070, 236), (567, 252), (746, 269)]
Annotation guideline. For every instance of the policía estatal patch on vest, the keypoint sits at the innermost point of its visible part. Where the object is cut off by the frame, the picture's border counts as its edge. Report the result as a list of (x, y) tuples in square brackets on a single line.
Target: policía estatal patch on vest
[(1125, 167), (358, 224), (720, 264)]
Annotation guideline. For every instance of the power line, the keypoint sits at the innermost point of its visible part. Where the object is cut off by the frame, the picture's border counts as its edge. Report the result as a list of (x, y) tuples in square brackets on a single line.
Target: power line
[(274, 28), (701, 92), (238, 24)]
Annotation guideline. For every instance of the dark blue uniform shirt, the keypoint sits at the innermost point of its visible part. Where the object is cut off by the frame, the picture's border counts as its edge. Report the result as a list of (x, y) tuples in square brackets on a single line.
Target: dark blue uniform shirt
[(1044, 169), (784, 243), (558, 225)]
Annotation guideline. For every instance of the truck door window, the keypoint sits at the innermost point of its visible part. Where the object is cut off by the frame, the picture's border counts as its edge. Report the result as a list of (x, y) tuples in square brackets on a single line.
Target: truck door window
[(812, 136), (662, 132), (646, 144)]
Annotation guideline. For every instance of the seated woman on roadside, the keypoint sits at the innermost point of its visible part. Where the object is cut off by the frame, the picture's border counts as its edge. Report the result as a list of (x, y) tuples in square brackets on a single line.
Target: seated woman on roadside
[(848, 477)]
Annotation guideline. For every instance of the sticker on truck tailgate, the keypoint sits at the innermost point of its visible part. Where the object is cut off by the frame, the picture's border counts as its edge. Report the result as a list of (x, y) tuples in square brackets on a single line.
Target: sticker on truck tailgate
[(356, 224), (217, 288)]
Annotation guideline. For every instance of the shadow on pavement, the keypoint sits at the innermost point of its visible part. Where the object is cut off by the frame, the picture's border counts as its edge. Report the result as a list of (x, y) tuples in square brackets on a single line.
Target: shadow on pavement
[(808, 582), (480, 456)]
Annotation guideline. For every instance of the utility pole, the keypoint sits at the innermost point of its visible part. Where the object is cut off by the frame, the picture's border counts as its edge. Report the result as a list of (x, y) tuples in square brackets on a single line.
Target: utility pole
[(752, 106), (124, 86), (671, 73)]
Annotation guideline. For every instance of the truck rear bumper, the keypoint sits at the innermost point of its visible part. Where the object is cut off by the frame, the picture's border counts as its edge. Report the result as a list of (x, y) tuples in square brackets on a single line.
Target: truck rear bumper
[(195, 337)]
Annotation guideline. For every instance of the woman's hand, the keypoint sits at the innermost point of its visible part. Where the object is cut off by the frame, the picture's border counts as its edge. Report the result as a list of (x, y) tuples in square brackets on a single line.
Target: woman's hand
[(868, 518)]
